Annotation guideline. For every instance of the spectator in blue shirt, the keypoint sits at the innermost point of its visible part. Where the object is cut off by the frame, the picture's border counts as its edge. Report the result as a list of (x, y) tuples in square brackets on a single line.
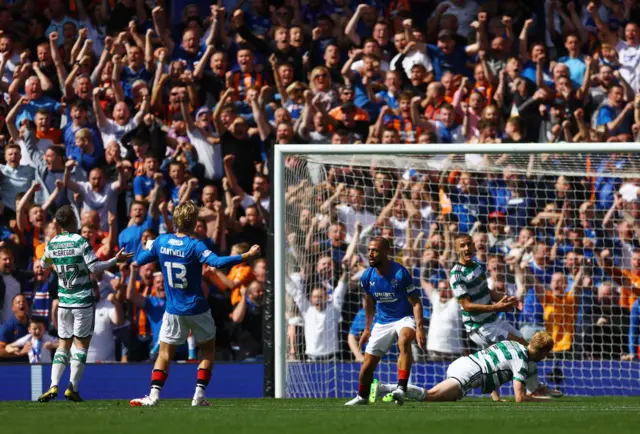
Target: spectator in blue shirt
[(37, 101), (143, 184), (606, 186), (13, 329), (190, 51), (530, 64), (614, 114), (574, 60), (334, 244), (85, 152), (467, 203), (79, 119), (134, 71), (391, 94), (59, 18), (362, 80), (258, 18), (448, 56), (140, 220), (541, 266)]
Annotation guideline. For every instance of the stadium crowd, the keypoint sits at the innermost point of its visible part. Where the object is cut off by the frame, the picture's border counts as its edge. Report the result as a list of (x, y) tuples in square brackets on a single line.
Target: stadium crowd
[(126, 108)]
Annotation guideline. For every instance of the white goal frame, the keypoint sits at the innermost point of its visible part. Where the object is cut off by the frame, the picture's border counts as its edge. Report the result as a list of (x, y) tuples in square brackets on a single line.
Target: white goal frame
[(278, 188)]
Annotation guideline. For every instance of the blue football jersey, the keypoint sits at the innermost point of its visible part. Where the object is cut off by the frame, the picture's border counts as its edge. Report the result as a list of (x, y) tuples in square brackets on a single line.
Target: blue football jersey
[(390, 291), (181, 260)]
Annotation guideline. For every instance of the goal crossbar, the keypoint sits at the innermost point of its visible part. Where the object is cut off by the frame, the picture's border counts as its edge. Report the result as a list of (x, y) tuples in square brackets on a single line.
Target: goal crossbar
[(462, 148)]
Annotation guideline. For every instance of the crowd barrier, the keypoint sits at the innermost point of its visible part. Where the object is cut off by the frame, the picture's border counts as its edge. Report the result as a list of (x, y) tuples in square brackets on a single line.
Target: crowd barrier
[(245, 380), (126, 381)]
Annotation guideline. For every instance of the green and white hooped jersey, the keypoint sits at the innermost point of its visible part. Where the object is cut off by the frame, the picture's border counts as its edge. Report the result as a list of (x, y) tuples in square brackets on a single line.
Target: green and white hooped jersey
[(71, 255), (472, 282), (502, 362)]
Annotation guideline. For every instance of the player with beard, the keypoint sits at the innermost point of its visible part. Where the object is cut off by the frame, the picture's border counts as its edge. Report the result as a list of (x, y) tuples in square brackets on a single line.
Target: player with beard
[(389, 289)]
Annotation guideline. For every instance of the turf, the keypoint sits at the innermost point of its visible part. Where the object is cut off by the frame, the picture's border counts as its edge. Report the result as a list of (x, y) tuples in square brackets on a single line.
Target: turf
[(328, 416)]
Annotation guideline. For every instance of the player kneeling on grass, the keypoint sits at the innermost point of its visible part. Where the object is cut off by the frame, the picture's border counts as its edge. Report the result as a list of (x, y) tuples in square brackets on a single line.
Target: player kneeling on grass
[(388, 286), (73, 260), (181, 256), (487, 370)]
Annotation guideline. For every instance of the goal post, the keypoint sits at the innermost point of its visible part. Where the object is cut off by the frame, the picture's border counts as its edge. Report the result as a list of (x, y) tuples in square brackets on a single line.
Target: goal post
[(299, 374)]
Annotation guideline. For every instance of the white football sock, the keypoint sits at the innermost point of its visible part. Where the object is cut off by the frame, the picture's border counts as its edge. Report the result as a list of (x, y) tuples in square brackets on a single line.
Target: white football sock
[(533, 382), (78, 362), (385, 388), (154, 393), (415, 392), (199, 394), (60, 362)]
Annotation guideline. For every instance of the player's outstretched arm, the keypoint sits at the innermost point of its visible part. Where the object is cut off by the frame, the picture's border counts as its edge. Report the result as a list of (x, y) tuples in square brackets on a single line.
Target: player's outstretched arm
[(206, 256), (96, 266), (146, 256), (506, 304)]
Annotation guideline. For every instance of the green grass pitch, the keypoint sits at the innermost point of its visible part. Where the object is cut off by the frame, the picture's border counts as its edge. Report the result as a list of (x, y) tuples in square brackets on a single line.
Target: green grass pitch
[(326, 416)]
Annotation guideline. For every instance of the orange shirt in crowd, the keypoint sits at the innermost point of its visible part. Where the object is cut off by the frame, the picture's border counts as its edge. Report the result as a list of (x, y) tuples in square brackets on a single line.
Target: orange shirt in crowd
[(241, 81), (39, 253), (140, 315), (242, 273), (408, 132), (560, 318), (54, 134), (361, 115), (486, 91), (432, 112), (628, 295)]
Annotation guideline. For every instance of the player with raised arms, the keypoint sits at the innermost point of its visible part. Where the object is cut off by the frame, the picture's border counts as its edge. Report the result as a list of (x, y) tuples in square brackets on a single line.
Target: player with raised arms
[(389, 289), (73, 260), (480, 307), (181, 256), (487, 370)]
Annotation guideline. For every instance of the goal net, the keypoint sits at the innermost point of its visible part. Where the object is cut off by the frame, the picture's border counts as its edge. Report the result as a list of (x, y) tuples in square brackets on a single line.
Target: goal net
[(558, 229)]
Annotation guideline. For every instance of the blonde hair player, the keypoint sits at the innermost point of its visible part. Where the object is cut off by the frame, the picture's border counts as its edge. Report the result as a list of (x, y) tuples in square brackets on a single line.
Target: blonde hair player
[(181, 256), (486, 370)]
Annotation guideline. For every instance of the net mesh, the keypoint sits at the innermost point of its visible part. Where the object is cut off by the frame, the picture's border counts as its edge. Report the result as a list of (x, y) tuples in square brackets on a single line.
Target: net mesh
[(557, 231)]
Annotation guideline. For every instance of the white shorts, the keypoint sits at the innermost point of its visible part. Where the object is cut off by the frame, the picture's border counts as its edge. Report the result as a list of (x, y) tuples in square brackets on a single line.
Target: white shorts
[(175, 328), (493, 332), (76, 321), (384, 335), (467, 373)]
